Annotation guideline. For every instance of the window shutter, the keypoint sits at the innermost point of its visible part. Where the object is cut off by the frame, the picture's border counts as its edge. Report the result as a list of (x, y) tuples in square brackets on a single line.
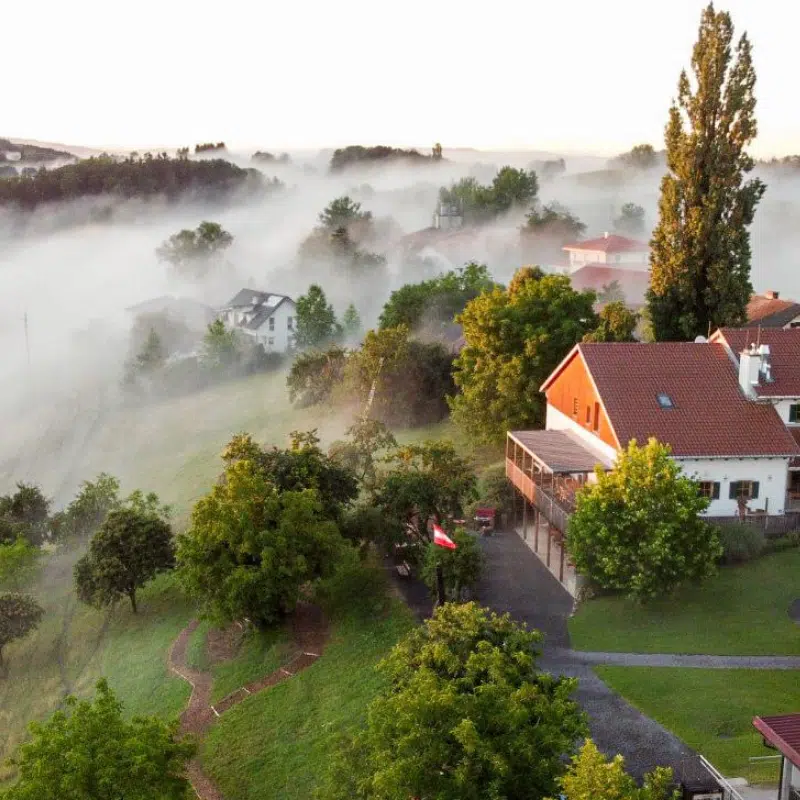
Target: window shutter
[(755, 490), (734, 489), (715, 492)]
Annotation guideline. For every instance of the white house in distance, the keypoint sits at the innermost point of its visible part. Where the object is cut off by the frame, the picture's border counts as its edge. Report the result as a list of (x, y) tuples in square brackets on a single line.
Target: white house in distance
[(729, 408), (608, 250), (268, 317)]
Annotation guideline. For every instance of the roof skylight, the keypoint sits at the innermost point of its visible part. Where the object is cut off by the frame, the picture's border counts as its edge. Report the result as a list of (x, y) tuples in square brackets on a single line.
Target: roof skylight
[(664, 400)]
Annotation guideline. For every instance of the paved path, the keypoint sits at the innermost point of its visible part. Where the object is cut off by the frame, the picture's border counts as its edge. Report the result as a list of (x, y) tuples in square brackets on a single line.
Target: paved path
[(675, 660), (310, 634), (516, 581)]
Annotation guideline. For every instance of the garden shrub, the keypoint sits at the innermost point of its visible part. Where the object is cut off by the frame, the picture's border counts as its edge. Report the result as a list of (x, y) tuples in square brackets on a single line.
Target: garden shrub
[(740, 542), (461, 567)]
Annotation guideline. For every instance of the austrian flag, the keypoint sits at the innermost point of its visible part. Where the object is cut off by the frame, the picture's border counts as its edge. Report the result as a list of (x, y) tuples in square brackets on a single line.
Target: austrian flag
[(442, 539)]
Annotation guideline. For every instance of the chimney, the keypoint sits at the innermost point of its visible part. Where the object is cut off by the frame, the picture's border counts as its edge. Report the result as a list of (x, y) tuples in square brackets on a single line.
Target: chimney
[(771, 294), (749, 370), (605, 235)]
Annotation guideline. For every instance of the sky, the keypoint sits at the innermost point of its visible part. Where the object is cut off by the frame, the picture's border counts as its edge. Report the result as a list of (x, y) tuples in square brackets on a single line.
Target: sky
[(569, 76)]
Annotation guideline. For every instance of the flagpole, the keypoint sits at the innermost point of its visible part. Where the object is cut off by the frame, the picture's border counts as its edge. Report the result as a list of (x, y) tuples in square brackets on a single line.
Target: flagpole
[(441, 600)]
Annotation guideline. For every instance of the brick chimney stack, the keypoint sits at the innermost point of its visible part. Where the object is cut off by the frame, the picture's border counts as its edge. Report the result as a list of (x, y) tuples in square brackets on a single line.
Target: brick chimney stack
[(771, 294)]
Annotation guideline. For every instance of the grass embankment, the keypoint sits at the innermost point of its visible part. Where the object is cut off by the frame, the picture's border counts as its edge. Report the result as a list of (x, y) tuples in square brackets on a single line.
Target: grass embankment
[(75, 645), (741, 611), (712, 710), (260, 653), (277, 744)]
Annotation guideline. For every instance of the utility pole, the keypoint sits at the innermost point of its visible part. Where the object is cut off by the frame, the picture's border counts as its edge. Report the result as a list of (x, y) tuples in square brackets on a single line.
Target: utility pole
[(27, 340)]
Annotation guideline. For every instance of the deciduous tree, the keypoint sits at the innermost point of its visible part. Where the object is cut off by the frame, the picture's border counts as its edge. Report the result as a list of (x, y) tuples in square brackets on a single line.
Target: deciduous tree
[(465, 715), (221, 347), (591, 776), (18, 562), (131, 547), (89, 751), (514, 340), (250, 548), (19, 615), (700, 250), (315, 374), (196, 252), (638, 529), (617, 323), (630, 221), (359, 453), (461, 568), (26, 513)]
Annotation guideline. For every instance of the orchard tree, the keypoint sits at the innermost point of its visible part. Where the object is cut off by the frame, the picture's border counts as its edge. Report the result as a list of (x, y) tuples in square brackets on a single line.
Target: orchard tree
[(514, 339), (303, 465), (367, 438), (91, 751), (638, 529), (19, 615), (196, 251), (131, 547), (18, 563), (465, 715), (315, 374), (316, 320), (617, 323), (630, 222), (250, 548), (700, 250), (424, 481), (25, 513), (592, 776), (87, 511)]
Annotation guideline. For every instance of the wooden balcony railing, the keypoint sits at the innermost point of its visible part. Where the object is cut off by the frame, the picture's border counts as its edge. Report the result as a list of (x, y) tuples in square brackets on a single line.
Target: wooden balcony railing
[(556, 512)]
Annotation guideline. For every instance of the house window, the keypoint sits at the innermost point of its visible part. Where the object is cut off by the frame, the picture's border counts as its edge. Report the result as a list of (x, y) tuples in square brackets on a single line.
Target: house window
[(575, 406), (270, 341), (708, 489), (596, 421), (588, 415), (272, 323), (289, 323), (744, 490), (794, 412)]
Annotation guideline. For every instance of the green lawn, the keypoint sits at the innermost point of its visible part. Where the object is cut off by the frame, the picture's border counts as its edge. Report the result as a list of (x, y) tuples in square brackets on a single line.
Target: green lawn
[(277, 744), (75, 645), (742, 611), (712, 710)]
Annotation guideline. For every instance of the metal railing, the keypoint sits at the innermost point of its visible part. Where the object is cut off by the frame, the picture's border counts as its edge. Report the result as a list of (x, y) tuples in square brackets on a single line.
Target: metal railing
[(728, 791), (553, 510)]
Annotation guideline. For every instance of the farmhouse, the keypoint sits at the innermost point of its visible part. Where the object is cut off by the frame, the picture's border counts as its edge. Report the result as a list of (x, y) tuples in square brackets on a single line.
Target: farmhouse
[(729, 408), (608, 250), (269, 318)]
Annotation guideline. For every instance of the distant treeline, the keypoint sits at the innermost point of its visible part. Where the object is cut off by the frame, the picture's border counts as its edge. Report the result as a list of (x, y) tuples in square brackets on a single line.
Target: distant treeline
[(356, 154), (134, 176), (31, 152), (209, 146), (265, 157)]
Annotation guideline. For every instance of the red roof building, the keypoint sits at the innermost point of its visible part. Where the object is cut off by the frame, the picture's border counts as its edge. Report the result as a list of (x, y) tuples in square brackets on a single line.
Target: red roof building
[(769, 311), (782, 733), (602, 278), (609, 249)]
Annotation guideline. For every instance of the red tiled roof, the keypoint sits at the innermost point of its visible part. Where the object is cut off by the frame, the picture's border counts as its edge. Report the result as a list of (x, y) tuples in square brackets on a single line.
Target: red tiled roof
[(784, 348), (711, 416), (762, 306), (609, 244), (632, 282), (783, 733)]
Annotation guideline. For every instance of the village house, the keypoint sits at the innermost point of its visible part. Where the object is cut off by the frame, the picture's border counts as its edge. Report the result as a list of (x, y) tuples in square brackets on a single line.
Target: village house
[(610, 261), (782, 733), (267, 317), (769, 311), (729, 408)]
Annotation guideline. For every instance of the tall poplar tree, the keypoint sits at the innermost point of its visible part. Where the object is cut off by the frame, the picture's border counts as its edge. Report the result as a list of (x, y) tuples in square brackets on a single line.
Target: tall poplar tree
[(700, 250)]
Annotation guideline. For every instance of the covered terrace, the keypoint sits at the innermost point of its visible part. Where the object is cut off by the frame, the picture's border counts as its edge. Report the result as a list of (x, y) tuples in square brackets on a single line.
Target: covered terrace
[(782, 733), (547, 468)]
